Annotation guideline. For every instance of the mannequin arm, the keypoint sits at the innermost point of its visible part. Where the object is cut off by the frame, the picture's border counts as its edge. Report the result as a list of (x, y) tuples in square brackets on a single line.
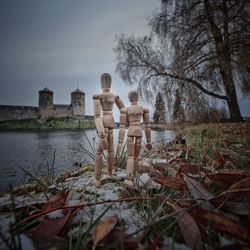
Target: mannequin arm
[(119, 102), (98, 121), (123, 120), (146, 120)]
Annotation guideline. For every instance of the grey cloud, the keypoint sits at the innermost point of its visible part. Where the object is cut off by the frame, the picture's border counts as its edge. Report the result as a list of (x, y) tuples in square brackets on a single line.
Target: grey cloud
[(54, 42)]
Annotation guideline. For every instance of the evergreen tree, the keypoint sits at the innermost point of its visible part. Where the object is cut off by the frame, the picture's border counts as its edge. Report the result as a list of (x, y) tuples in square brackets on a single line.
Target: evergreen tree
[(160, 110)]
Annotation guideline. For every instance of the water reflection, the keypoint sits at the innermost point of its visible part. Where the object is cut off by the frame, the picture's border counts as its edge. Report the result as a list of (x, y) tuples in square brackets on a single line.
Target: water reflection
[(35, 151), (162, 136)]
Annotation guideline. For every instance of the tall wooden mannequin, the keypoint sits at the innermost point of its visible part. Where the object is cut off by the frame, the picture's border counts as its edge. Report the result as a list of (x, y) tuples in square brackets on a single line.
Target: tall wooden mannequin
[(104, 122), (133, 115)]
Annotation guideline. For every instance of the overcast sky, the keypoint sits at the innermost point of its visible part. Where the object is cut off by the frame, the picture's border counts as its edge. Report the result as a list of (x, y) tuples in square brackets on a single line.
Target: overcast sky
[(55, 42)]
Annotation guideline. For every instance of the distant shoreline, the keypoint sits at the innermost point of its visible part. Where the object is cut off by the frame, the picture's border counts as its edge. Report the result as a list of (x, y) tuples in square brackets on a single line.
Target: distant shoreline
[(63, 123), (49, 124), (69, 123)]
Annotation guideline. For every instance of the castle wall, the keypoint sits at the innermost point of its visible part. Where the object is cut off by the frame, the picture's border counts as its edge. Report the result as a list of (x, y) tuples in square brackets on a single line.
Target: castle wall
[(57, 111), (62, 111), (8, 112)]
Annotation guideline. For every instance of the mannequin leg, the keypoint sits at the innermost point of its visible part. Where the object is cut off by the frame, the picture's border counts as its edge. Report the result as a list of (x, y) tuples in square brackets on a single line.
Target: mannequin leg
[(98, 165), (137, 152), (110, 158), (130, 161)]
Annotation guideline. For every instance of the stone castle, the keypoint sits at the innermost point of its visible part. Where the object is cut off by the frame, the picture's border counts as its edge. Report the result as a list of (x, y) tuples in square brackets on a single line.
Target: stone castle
[(46, 108)]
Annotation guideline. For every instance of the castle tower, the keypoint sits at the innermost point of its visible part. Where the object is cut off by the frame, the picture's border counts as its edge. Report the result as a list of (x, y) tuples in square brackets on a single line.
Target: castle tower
[(78, 103), (45, 98), (45, 103)]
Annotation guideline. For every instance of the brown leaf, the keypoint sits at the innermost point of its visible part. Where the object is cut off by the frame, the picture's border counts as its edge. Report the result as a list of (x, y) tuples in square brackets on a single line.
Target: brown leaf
[(188, 227), (128, 192), (220, 223), (122, 239), (175, 156), (55, 201), (170, 182), (235, 246), (46, 242), (155, 243), (197, 190), (226, 177), (51, 227), (237, 199), (103, 229), (242, 184), (165, 166), (220, 159), (191, 168), (239, 208), (150, 170)]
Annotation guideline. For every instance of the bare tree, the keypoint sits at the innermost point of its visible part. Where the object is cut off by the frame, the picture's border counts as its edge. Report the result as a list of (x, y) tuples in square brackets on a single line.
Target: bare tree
[(201, 44)]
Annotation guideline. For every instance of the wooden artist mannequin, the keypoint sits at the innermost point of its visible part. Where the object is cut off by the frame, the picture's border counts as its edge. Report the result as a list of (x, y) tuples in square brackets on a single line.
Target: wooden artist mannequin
[(133, 115), (104, 122)]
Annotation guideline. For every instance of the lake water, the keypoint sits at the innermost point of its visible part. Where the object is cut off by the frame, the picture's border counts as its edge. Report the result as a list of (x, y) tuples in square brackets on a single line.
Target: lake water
[(35, 151)]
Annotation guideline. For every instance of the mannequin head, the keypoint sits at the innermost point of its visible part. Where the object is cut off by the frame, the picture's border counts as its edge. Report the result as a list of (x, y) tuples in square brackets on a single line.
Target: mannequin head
[(106, 81), (133, 96)]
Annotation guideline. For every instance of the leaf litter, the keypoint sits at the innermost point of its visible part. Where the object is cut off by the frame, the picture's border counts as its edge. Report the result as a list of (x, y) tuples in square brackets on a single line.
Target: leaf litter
[(193, 196)]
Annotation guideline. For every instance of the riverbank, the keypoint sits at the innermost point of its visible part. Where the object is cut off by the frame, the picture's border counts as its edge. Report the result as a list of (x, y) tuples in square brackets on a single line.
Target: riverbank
[(165, 126), (186, 192), (66, 123), (51, 123)]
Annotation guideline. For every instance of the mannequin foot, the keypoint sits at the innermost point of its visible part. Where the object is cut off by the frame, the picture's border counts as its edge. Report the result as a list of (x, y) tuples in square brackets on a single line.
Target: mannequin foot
[(113, 177), (97, 183), (129, 183)]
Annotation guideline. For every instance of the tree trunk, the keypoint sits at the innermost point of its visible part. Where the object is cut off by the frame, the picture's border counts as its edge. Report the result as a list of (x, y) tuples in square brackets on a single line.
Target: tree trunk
[(229, 86), (222, 45), (235, 115), (231, 96)]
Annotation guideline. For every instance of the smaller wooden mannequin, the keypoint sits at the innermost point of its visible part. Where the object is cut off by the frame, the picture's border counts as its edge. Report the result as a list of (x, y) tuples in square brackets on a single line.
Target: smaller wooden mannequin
[(133, 115), (104, 121)]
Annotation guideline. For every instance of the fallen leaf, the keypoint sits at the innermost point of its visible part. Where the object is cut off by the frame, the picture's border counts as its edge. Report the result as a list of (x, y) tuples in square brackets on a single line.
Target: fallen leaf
[(191, 168), (220, 223), (165, 166), (242, 184), (219, 157), (46, 242), (170, 182), (128, 192), (155, 243), (236, 200), (227, 177), (150, 170), (197, 190), (188, 227), (239, 208), (235, 246), (51, 227), (123, 240), (175, 156), (102, 229), (55, 201)]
